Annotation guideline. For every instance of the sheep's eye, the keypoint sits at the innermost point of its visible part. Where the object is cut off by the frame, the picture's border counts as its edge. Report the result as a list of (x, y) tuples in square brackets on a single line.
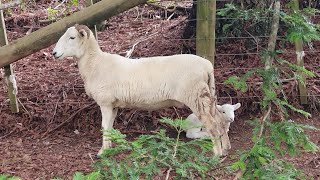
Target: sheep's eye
[(223, 112), (72, 37)]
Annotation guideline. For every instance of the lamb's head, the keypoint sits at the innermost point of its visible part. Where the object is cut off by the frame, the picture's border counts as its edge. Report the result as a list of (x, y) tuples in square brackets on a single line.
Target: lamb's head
[(227, 111), (72, 42)]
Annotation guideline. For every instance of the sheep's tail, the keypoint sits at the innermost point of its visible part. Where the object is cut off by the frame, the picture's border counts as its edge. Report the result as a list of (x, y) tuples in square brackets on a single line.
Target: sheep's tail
[(212, 87)]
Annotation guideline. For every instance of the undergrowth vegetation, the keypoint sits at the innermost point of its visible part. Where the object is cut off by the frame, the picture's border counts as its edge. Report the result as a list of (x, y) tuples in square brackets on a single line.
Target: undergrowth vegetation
[(156, 154)]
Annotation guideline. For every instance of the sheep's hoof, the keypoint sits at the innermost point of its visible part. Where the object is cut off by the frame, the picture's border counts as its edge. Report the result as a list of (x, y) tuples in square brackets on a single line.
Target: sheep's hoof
[(99, 153), (224, 152), (98, 156)]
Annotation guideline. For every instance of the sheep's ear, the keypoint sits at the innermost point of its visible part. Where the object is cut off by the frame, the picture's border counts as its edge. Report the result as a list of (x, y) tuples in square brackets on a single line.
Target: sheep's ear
[(236, 106), (83, 30), (83, 33), (219, 107)]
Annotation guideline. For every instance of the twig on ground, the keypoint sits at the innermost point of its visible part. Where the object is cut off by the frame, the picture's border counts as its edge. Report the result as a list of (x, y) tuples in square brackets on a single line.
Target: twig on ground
[(315, 88), (91, 157), (10, 4), (69, 119), (129, 52), (24, 109), (238, 175), (177, 112), (6, 135), (59, 4), (168, 173)]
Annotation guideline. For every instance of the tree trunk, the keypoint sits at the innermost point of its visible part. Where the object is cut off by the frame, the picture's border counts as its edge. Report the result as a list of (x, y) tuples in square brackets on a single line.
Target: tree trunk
[(271, 48), (273, 34), (48, 35), (300, 54)]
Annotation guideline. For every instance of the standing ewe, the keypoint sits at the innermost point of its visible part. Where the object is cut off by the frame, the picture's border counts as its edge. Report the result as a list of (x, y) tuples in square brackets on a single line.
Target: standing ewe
[(150, 83), (194, 126)]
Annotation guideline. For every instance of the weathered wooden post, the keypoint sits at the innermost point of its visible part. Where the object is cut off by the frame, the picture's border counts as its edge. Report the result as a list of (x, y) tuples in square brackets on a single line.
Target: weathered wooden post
[(300, 54), (206, 24), (9, 75)]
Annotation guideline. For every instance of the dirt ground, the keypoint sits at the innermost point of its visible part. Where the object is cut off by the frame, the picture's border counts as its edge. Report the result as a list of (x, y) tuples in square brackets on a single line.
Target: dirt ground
[(57, 131)]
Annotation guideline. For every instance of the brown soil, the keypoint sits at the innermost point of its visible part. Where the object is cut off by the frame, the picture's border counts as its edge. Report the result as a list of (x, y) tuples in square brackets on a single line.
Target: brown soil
[(51, 93)]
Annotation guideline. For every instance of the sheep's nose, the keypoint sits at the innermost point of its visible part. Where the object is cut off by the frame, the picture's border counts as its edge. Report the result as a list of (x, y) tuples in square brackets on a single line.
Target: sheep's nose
[(54, 53)]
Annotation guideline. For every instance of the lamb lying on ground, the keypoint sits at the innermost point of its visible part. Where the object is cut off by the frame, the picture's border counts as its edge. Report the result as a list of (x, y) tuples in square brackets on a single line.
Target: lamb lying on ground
[(194, 128), (150, 83)]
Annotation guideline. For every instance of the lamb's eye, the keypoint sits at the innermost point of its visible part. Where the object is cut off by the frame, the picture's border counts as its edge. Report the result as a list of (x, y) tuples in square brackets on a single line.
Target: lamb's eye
[(72, 37), (223, 112)]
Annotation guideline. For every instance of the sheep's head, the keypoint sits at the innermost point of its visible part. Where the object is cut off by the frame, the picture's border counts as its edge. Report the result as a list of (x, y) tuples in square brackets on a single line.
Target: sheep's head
[(227, 111), (72, 42)]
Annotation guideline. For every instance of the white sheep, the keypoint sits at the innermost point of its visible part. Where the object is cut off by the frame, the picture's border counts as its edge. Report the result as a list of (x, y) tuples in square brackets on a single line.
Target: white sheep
[(194, 128), (150, 83)]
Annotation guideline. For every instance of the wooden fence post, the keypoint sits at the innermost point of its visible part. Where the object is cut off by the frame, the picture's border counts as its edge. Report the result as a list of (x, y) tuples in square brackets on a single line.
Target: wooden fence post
[(202, 28), (300, 54), (9, 75), (206, 23)]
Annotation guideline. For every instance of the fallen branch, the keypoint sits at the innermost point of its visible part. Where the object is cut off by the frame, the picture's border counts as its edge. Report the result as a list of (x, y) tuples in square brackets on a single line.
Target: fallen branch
[(69, 119)]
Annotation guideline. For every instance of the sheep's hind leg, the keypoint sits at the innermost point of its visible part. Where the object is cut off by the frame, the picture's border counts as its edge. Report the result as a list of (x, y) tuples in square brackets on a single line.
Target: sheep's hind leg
[(213, 129), (202, 109), (226, 145), (108, 116)]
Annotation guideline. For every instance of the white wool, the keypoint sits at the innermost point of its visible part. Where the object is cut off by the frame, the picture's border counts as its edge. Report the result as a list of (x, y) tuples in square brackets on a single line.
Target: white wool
[(150, 83)]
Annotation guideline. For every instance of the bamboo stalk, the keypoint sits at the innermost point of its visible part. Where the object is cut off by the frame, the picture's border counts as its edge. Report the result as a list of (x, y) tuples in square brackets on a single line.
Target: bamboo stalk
[(8, 71)]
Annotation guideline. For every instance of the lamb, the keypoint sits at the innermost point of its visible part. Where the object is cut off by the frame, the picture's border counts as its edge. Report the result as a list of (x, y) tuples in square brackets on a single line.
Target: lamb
[(149, 83), (193, 128)]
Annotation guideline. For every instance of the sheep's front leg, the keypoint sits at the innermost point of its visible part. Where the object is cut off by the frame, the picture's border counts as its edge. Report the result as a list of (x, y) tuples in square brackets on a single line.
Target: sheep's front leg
[(108, 116)]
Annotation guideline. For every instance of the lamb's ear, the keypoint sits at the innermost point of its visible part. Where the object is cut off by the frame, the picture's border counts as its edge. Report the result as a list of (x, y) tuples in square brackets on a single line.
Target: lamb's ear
[(219, 108), (236, 106)]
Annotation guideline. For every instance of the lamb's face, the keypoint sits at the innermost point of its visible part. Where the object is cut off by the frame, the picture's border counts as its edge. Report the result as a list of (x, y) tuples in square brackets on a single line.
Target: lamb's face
[(69, 44), (227, 111)]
